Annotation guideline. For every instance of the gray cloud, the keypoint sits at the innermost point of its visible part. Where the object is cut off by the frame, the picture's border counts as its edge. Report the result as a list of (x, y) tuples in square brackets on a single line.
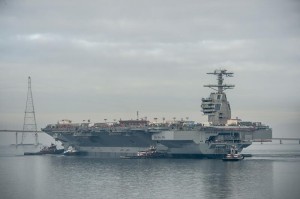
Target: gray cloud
[(107, 59)]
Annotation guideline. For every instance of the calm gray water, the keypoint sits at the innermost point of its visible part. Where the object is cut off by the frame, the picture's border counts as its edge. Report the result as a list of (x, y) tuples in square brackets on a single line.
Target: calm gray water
[(273, 172)]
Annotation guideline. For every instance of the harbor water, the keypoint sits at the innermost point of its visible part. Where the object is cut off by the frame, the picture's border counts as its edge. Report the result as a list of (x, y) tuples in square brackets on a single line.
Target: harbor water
[(272, 172)]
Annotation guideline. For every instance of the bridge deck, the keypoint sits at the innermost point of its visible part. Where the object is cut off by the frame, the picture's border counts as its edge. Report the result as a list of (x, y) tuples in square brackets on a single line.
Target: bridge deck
[(19, 131)]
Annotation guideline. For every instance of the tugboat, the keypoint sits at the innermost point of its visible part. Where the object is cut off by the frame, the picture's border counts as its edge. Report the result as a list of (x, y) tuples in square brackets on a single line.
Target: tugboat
[(47, 150), (71, 151), (233, 155), (150, 153)]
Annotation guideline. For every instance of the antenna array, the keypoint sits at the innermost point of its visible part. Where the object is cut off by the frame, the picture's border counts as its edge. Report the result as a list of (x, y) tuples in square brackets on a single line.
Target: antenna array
[(221, 87)]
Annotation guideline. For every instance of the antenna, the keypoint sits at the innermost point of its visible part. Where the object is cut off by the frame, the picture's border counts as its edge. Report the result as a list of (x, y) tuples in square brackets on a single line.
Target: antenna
[(29, 117), (221, 87)]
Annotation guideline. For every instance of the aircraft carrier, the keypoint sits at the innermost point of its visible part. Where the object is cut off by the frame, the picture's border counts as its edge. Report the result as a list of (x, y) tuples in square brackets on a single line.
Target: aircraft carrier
[(176, 139)]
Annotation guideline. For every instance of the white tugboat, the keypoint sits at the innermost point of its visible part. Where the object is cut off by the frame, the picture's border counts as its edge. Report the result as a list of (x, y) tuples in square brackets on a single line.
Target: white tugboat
[(71, 151), (150, 153), (234, 155)]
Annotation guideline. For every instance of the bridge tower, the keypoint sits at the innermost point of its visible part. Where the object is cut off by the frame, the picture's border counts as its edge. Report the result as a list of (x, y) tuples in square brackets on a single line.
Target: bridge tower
[(29, 117)]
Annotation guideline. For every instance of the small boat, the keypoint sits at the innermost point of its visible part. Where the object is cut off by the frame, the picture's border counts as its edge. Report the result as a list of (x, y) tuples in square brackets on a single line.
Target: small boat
[(150, 153), (71, 151), (233, 155), (47, 150)]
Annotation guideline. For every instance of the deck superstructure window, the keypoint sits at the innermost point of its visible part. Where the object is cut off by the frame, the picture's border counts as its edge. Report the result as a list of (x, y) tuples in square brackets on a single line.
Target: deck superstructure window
[(219, 97), (217, 107)]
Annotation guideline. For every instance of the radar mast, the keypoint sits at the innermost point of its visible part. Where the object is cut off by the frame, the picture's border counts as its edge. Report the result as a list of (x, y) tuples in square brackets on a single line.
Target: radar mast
[(220, 86)]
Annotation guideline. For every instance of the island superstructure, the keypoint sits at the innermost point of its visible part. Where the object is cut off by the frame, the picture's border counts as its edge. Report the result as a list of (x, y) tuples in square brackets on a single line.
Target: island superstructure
[(183, 138)]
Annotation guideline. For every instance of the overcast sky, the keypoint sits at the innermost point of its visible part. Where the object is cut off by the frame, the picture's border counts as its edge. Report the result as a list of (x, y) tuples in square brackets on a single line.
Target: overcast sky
[(108, 59)]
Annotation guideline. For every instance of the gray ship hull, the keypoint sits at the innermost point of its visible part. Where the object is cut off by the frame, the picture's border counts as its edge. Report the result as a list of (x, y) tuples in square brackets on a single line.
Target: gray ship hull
[(105, 144), (175, 143)]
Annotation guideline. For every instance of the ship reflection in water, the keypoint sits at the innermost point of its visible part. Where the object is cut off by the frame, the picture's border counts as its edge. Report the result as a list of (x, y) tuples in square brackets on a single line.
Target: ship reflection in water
[(267, 175)]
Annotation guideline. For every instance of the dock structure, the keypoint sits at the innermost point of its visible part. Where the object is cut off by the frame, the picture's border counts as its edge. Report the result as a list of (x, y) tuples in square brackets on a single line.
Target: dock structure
[(280, 140), (20, 131)]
